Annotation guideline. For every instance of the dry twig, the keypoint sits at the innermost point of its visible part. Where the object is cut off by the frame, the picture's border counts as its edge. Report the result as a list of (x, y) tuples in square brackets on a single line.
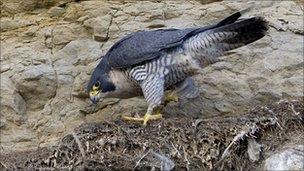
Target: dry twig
[(237, 138), (142, 157), (79, 144)]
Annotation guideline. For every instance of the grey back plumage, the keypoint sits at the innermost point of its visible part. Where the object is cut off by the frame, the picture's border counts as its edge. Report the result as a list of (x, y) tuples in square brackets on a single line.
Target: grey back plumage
[(143, 46)]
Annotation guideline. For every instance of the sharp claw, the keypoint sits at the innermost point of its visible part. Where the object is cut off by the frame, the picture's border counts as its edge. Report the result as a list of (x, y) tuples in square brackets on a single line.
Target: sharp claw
[(145, 119), (148, 117)]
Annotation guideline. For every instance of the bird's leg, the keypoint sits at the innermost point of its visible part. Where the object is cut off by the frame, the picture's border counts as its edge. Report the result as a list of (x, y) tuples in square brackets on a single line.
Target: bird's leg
[(153, 90), (148, 116), (171, 96)]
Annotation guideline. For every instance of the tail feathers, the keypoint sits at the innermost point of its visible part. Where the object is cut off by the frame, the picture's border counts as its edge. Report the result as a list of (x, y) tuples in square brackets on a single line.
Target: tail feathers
[(208, 45), (243, 31), (232, 18)]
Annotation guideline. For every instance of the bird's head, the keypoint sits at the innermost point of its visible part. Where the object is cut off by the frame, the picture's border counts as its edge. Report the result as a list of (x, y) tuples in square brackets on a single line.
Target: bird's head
[(99, 87), (100, 83)]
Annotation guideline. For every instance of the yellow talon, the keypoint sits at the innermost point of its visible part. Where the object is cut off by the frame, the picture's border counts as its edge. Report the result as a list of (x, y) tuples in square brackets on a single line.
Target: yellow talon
[(171, 96), (148, 117), (128, 118), (145, 119)]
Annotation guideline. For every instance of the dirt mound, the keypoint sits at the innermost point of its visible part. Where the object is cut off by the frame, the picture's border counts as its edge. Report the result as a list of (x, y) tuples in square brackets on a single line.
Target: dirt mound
[(232, 143)]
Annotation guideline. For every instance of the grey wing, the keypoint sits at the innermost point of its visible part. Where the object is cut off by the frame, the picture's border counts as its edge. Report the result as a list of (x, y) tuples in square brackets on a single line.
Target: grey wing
[(147, 45), (143, 46)]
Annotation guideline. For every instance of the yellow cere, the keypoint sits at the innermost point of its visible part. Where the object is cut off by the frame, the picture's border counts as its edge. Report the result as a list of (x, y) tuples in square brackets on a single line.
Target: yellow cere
[(94, 92), (95, 88)]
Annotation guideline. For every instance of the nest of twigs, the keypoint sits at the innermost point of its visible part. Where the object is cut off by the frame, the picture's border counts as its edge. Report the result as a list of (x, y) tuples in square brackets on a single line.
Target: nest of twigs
[(232, 143)]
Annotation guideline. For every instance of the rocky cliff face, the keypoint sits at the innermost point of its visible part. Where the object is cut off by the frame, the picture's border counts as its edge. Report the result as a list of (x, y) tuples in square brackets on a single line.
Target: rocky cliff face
[(49, 49)]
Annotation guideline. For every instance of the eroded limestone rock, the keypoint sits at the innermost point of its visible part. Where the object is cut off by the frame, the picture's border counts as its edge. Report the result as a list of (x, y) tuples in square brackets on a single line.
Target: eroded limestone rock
[(292, 158)]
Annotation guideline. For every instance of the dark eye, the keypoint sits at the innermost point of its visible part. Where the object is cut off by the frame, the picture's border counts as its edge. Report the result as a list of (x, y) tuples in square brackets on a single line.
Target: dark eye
[(97, 84)]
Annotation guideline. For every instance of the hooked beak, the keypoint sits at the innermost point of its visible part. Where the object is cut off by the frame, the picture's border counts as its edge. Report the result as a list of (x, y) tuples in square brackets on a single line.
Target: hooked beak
[(95, 96)]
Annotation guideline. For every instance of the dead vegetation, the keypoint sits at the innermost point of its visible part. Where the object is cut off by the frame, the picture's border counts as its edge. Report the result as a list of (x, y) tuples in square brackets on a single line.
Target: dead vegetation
[(233, 143)]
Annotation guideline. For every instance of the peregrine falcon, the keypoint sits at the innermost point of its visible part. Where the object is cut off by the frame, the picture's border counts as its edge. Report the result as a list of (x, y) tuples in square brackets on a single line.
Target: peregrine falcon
[(151, 63)]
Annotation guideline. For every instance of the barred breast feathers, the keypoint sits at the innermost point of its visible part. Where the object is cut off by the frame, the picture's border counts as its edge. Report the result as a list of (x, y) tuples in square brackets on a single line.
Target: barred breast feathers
[(125, 88)]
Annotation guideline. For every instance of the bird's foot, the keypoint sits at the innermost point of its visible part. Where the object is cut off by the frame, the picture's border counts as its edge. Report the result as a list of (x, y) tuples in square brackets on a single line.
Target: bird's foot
[(171, 96), (144, 119), (148, 117)]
